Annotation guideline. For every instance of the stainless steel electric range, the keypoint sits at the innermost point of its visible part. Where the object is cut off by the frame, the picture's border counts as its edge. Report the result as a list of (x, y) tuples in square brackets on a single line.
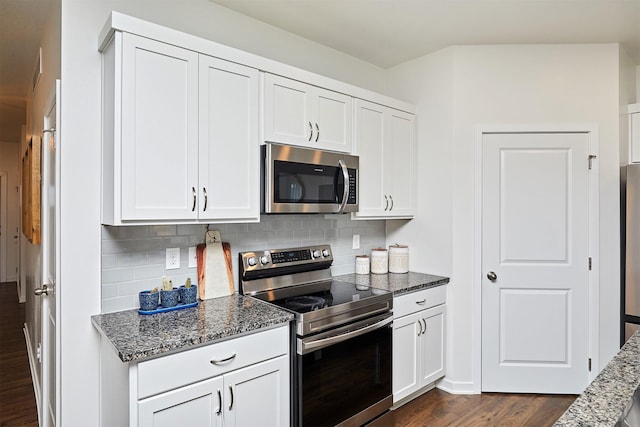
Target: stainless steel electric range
[(341, 335)]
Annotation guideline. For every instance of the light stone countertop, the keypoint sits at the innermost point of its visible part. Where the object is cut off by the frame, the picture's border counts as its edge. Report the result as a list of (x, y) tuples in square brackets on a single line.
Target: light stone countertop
[(395, 282), (603, 401), (136, 336)]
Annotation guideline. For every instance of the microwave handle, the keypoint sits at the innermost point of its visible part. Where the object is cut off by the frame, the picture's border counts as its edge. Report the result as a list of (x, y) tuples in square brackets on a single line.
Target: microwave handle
[(345, 195)]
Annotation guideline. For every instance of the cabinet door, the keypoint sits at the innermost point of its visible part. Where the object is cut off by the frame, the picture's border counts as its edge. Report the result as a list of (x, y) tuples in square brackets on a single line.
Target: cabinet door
[(258, 395), (370, 129), (400, 161), (406, 378), (288, 116), (159, 113), (432, 345), (634, 137), (333, 120), (229, 157), (193, 405)]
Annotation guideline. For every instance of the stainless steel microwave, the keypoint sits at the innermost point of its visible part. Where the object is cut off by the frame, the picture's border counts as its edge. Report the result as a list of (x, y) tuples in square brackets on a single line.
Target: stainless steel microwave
[(302, 180)]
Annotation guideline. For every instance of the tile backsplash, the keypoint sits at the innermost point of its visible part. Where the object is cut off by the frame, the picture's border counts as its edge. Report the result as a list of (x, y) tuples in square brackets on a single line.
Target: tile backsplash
[(133, 257)]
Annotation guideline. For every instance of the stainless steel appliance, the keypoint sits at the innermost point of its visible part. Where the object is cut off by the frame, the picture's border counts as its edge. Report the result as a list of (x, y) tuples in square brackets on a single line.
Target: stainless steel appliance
[(630, 239), (340, 338), (300, 180)]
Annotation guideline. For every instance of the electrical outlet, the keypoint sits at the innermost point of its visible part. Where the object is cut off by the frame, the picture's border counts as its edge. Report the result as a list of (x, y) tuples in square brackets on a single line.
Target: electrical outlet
[(193, 260), (173, 258), (356, 241)]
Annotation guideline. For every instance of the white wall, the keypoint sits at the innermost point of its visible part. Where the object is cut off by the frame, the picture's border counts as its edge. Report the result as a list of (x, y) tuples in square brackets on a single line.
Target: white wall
[(506, 85), (80, 152), (9, 162)]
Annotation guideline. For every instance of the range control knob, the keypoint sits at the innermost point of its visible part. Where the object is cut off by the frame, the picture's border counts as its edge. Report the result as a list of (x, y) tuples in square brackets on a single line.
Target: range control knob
[(325, 253), (316, 253), (264, 260), (252, 261)]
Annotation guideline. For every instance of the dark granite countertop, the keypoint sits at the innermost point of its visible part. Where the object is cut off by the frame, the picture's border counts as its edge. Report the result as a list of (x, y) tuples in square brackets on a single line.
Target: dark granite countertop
[(394, 282), (606, 397), (136, 337)]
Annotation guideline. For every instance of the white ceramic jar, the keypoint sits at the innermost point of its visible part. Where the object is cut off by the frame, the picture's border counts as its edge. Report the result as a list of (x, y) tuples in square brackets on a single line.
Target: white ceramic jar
[(398, 259), (379, 261), (362, 264)]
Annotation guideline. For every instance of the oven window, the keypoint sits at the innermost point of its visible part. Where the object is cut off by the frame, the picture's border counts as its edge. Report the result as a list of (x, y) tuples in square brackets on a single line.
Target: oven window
[(339, 381), (307, 183)]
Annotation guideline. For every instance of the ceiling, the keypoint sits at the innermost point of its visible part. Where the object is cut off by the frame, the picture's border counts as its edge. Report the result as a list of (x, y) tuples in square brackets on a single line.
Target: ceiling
[(382, 32), (390, 32)]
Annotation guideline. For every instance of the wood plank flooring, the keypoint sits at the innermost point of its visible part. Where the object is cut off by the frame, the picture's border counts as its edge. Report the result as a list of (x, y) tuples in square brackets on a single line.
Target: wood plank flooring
[(17, 399), (438, 408)]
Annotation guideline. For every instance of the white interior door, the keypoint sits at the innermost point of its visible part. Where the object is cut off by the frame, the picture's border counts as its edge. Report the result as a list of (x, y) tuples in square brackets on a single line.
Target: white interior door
[(535, 262), (48, 292)]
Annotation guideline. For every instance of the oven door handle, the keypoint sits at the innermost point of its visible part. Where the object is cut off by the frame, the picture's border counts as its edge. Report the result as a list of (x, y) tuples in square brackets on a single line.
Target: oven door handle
[(307, 347)]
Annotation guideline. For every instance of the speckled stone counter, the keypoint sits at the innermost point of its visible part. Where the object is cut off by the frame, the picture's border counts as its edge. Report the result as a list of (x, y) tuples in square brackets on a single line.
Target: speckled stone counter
[(396, 283), (606, 397), (136, 337)]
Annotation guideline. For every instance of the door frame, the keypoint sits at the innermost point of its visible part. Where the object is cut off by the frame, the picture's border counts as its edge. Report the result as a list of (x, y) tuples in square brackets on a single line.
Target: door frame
[(594, 237), (3, 226)]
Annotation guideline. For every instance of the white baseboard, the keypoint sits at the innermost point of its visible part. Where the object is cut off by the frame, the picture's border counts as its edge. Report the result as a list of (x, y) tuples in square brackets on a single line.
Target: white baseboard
[(455, 387), (33, 364)]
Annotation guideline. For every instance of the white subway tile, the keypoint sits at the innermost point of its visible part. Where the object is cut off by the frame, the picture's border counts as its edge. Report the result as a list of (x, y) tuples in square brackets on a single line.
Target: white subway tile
[(162, 230)]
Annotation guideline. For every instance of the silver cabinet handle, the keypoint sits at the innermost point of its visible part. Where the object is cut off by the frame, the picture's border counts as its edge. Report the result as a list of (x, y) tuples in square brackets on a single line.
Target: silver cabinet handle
[(425, 326), (193, 191), (231, 391), (219, 411), (204, 191), (420, 326), (43, 290), (391, 198), (310, 131), (422, 301), (345, 193), (386, 202), (223, 361), (317, 132), (492, 276)]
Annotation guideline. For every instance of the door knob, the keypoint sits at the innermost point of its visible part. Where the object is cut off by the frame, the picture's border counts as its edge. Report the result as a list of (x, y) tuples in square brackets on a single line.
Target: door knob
[(43, 290), (492, 276)]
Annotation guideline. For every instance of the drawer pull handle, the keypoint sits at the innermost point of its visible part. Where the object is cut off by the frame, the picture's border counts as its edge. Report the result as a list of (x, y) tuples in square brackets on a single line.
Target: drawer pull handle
[(422, 302), (231, 391), (222, 361), (219, 411)]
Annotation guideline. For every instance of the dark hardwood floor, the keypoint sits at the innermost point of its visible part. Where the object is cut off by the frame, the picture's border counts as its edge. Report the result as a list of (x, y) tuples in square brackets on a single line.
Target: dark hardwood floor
[(17, 399), (438, 408)]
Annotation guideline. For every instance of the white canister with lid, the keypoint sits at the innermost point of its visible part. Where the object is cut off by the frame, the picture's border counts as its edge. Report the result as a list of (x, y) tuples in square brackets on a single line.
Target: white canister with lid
[(398, 258), (379, 261), (362, 264)]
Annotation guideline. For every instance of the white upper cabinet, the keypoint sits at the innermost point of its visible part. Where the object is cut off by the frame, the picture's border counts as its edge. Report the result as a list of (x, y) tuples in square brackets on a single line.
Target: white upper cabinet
[(229, 166), (386, 144), (180, 140), (301, 114), (159, 130)]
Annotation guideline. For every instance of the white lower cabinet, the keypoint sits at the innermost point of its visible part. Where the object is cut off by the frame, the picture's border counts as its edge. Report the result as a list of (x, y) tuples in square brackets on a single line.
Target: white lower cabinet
[(241, 382), (253, 396), (418, 341)]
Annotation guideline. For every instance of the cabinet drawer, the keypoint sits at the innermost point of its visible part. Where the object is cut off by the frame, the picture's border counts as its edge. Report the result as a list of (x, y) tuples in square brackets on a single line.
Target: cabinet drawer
[(169, 372), (419, 300)]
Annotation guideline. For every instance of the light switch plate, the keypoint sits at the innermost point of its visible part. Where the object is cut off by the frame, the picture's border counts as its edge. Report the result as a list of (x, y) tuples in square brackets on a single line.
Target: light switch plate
[(356, 241), (193, 261), (173, 258)]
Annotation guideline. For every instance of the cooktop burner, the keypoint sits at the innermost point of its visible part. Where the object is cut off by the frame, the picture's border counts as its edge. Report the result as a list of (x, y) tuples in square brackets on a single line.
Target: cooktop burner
[(305, 303)]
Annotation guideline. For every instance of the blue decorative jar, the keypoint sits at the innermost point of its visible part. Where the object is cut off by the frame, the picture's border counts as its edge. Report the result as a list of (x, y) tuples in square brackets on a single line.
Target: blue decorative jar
[(188, 295), (169, 298), (148, 300)]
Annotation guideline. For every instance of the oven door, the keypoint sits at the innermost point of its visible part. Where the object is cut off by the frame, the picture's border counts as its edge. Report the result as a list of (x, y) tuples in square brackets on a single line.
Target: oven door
[(301, 180), (344, 375)]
